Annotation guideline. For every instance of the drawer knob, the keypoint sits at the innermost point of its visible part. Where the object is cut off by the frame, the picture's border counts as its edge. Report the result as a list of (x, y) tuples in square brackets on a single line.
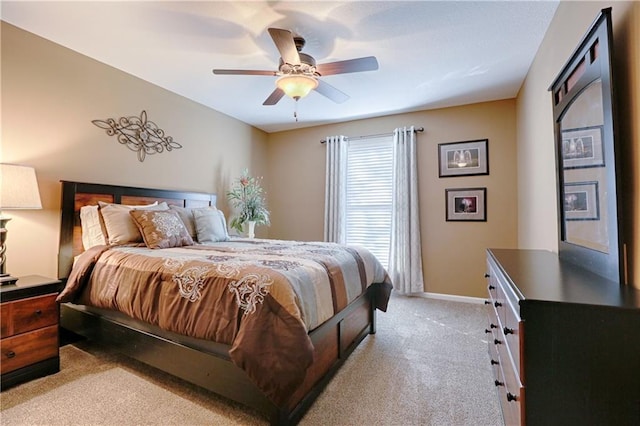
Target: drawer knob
[(487, 331), (497, 304), (498, 383), (486, 302), (38, 312), (493, 326), (492, 287), (494, 362), (497, 342), (508, 330), (511, 397), (487, 275), (11, 354)]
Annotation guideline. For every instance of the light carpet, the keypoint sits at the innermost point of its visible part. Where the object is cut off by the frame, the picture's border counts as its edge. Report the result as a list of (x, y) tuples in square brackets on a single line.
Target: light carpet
[(427, 365)]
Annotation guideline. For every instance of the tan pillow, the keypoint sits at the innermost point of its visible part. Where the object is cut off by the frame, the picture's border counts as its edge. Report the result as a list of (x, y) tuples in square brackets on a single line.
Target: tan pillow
[(92, 227), (161, 229), (186, 214), (121, 228)]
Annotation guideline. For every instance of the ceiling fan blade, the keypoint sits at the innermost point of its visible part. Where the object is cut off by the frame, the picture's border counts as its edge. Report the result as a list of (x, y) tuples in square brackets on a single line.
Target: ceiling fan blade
[(274, 97), (369, 63), (243, 72), (331, 92), (286, 46)]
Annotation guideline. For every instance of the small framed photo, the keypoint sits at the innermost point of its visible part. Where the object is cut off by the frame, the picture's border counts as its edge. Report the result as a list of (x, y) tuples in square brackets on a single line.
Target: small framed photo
[(467, 204), (468, 158), (581, 201), (582, 148)]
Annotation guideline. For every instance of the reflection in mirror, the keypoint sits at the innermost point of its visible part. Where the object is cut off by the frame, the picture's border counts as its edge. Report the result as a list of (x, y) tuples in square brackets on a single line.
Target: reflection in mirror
[(585, 186)]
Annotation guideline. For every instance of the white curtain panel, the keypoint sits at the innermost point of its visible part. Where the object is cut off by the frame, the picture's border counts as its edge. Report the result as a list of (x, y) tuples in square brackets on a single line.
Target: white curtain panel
[(405, 253), (335, 189)]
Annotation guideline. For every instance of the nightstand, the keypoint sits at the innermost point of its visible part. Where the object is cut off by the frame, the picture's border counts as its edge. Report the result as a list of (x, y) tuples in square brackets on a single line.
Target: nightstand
[(28, 329)]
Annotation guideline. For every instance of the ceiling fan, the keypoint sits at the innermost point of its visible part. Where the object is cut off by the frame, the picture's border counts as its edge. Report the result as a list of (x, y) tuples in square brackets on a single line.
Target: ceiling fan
[(298, 72)]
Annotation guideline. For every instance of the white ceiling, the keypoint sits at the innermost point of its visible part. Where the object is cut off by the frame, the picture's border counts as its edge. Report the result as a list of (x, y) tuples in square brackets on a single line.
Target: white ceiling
[(432, 54)]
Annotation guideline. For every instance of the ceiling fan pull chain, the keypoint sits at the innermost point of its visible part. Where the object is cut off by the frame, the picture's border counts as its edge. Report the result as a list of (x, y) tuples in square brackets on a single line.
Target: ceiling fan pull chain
[(295, 111)]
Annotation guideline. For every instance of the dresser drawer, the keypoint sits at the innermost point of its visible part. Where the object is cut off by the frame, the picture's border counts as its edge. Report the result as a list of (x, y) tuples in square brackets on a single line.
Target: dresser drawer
[(29, 314), (511, 330), (28, 348), (512, 403)]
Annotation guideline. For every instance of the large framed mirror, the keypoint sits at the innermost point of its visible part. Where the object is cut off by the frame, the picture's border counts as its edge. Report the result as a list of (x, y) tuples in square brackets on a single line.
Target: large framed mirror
[(589, 218)]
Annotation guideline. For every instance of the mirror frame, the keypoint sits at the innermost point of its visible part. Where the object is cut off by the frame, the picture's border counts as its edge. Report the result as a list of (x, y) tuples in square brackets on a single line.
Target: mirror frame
[(592, 60)]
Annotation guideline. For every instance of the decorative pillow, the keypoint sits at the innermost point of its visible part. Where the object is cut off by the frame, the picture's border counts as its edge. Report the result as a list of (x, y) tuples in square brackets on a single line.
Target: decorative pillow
[(121, 228), (210, 225), (161, 229), (93, 233)]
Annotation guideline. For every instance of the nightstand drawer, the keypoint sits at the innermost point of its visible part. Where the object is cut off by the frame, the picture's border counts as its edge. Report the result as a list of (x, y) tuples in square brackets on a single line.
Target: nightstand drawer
[(5, 317), (29, 314), (28, 348)]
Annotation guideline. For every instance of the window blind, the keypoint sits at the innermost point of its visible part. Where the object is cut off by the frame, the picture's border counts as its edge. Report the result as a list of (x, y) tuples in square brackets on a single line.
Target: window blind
[(369, 195)]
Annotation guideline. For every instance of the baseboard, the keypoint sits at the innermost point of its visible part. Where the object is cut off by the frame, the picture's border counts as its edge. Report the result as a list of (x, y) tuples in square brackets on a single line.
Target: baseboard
[(452, 297)]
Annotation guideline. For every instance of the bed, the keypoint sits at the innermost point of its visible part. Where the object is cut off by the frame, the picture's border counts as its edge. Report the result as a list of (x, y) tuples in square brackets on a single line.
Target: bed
[(274, 350)]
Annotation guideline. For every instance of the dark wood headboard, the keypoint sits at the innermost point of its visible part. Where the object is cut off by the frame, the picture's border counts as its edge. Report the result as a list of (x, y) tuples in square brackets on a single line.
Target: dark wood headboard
[(78, 194)]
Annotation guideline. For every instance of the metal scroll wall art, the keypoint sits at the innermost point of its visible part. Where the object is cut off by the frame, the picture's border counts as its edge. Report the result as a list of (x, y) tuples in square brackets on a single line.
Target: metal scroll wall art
[(138, 134)]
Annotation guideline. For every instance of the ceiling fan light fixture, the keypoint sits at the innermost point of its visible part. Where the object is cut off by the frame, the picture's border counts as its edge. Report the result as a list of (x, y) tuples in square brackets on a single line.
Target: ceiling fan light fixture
[(296, 86)]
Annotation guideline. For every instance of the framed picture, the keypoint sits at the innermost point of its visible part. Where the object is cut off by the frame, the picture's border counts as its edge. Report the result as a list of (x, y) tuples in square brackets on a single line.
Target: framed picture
[(582, 148), (467, 204), (581, 201), (468, 158)]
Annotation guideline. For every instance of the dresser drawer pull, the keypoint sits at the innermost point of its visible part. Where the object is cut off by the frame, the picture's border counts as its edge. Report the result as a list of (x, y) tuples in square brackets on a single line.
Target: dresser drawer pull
[(492, 287), (511, 397), (487, 331), (486, 302), (497, 342), (498, 383), (486, 275), (11, 354), (38, 312), (508, 331), (493, 362), (497, 304)]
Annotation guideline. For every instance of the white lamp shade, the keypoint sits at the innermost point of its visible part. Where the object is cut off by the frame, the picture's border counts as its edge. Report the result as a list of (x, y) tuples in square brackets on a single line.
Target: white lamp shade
[(296, 86), (18, 188)]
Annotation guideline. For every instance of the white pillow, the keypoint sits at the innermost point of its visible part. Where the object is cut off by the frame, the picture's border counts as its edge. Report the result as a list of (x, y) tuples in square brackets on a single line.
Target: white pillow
[(211, 227), (92, 233), (121, 229)]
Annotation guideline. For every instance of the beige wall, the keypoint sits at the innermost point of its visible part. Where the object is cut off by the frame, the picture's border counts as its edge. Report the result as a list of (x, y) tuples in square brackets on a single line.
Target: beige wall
[(50, 94), (537, 219), (453, 252)]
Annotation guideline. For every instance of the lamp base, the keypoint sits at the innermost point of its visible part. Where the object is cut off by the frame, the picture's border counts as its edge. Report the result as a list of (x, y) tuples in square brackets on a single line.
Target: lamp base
[(6, 279)]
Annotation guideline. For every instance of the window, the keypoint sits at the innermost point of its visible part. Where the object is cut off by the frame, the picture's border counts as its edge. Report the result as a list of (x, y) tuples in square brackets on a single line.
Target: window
[(369, 195)]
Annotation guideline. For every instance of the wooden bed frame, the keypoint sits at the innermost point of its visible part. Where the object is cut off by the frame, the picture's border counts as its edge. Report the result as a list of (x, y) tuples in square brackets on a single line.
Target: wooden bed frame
[(202, 363)]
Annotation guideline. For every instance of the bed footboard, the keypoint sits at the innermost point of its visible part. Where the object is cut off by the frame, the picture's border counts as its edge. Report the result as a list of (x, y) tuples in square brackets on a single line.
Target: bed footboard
[(333, 342)]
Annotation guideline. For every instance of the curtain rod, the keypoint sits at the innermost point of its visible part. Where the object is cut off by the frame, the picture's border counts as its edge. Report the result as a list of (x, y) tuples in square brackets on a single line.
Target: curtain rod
[(417, 129)]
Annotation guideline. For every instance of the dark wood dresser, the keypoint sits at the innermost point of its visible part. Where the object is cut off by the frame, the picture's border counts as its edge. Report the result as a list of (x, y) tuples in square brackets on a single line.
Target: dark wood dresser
[(564, 344), (28, 329)]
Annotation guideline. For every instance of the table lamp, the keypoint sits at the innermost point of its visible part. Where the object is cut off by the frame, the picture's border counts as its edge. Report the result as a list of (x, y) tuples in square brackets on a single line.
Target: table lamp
[(18, 191)]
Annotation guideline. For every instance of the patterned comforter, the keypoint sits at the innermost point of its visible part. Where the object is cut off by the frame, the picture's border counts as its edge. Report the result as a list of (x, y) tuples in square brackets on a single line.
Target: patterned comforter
[(261, 297)]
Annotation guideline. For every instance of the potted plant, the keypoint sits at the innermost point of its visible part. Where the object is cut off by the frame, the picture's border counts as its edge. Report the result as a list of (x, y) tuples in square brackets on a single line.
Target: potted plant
[(247, 198)]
